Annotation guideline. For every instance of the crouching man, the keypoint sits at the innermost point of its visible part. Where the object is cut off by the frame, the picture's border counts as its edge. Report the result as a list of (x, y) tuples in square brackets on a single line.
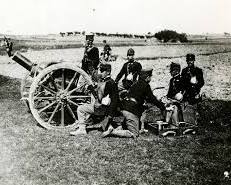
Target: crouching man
[(104, 104), (132, 106)]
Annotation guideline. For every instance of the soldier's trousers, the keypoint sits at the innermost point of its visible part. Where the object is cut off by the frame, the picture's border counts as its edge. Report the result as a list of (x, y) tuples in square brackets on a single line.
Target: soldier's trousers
[(84, 113), (132, 122)]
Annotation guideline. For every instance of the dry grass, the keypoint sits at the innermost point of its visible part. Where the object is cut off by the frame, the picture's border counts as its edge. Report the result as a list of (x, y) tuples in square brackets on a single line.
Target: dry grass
[(32, 155)]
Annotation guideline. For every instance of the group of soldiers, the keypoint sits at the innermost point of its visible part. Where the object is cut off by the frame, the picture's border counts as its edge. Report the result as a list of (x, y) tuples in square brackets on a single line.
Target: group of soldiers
[(128, 96)]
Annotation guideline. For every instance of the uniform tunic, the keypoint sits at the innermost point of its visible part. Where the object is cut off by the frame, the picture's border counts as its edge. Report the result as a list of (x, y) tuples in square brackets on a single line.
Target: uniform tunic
[(108, 87), (90, 60), (192, 89), (140, 91), (129, 67), (175, 86)]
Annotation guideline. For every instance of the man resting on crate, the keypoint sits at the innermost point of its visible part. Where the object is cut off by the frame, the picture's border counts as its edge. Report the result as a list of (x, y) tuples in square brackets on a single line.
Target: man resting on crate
[(174, 97), (104, 103), (132, 106)]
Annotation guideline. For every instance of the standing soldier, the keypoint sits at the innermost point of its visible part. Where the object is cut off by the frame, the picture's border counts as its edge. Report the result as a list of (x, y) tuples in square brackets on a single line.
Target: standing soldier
[(132, 106), (130, 70), (90, 62), (90, 59), (193, 81)]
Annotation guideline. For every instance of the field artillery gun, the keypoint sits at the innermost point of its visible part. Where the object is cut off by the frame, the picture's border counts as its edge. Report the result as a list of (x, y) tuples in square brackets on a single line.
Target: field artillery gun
[(52, 92)]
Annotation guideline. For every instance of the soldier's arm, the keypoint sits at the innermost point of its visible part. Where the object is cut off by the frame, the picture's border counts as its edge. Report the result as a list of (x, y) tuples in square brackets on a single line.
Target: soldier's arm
[(121, 73), (113, 93), (96, 62), (152, 99), (139, 67), (200, 79)]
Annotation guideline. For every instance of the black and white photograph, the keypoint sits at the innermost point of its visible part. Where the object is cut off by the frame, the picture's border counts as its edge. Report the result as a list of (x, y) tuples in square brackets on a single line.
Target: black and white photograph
[(115, 92)]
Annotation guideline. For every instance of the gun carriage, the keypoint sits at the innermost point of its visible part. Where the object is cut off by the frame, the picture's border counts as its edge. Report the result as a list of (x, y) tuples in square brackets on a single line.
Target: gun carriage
[(52, 93)]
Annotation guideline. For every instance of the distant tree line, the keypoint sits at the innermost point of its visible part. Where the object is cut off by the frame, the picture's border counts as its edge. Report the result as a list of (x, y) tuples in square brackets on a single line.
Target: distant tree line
[(122, 35), (171, 36), (163, 36)]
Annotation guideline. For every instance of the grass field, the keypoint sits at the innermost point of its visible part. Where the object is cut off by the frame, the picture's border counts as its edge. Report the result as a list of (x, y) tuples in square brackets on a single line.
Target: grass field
[(31, 155)]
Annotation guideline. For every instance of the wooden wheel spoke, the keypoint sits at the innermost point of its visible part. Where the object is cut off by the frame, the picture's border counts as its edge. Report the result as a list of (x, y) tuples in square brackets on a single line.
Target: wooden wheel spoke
[(73, 78), (73, 90), (44, 98), (70, 101), (48, 89), (62, 115), (46, 107), (53, 83), (53, 113), (79, 97), (63, 79), (71, 112)]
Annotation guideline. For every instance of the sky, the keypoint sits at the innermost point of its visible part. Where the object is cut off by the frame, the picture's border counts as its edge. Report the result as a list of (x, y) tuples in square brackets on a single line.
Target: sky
[(112, 16)]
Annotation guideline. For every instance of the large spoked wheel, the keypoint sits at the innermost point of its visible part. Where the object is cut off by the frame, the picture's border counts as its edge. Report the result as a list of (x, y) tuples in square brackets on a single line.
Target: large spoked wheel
[(56, 93)]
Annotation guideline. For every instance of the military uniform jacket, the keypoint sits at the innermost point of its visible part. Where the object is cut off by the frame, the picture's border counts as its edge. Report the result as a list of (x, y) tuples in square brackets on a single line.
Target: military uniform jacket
[(91, 59), (108, 87), (140, 91), (129, 67), (175, 86), (192, 89)]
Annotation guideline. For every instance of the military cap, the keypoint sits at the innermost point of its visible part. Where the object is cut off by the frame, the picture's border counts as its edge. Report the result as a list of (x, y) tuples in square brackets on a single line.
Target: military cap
[(144, 73), (105, 67), (89, 36), (190, 57), (130, 52), (175, 66)]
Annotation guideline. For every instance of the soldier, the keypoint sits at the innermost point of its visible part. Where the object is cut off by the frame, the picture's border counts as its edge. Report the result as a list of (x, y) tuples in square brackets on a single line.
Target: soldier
[(174, 96), (104, 104), (90, 62), (106, 53), (90, 59), (192, 79), (132, 106), (130, 71)]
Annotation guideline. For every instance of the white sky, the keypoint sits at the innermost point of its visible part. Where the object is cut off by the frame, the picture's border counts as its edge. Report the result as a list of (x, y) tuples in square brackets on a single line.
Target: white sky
[(111, 16)]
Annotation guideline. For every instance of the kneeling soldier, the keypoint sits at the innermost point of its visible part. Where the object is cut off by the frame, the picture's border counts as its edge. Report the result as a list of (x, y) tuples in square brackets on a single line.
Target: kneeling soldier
[(132, 105), (104, 104)]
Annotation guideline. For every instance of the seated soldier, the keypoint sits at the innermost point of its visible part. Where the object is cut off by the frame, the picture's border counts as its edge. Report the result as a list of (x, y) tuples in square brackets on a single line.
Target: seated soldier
[(130, 71), (132, 106), (104, 104), (174, 96)]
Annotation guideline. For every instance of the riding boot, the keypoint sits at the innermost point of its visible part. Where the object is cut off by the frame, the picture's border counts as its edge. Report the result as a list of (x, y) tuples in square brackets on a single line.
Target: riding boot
[(80, 131)]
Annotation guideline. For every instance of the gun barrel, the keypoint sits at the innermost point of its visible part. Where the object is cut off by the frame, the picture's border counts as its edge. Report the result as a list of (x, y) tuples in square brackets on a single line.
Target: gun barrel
[(23, 61)]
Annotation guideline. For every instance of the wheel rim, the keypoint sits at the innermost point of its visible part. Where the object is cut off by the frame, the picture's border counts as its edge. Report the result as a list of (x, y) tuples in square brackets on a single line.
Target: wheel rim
[(55, 95)]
